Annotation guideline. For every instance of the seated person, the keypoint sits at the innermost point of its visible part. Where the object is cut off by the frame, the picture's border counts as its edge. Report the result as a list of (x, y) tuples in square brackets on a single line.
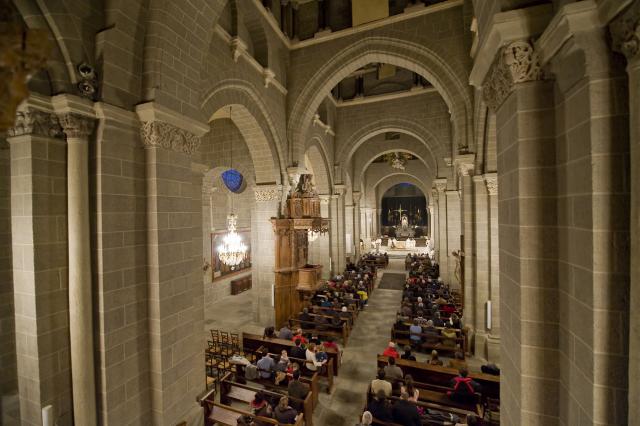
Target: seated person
[(432, 334), (407, 354), (390, 351), (405, 412), (299, 337), (380, 408), (410, 389), (313, 362), (297, 389), (283, 413), (305, 316), (437, 321), (435, 360), (266, 366), (298, 351), (450, 335), (392, 371), (260, 407), (464, 387), (415, 333), (285, 332), (381, 385)]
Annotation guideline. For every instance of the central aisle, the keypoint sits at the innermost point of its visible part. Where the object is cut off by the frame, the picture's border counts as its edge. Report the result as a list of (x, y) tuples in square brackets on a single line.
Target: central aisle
[(369, 337)]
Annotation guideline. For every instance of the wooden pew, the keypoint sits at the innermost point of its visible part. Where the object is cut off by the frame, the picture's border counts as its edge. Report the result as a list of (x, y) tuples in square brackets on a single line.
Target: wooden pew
[(327, 330), (253, 343), (442, 376), (230, 390), (216, 413), (403, 337)]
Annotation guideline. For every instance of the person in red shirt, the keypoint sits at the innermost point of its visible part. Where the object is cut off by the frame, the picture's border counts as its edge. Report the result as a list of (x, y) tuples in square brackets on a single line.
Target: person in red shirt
[(391, 351), (299, 336)]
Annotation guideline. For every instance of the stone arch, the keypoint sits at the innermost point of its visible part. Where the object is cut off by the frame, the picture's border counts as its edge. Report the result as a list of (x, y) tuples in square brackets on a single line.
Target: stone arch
[(408, 127), (397, 52), (381, 186), (321, 168), (251, 117), (372, 150)]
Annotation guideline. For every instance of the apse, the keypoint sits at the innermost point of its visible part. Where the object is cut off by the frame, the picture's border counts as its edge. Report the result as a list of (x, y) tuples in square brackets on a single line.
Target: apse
[(403, 210)]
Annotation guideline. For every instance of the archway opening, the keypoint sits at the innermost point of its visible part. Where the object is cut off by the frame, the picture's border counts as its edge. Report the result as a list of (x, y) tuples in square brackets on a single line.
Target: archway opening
[(404, 213)]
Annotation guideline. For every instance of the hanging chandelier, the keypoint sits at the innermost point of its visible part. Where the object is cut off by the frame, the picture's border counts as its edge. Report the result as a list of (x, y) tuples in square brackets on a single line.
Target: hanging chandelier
[(232, 251), (318, 227), (398, 160)]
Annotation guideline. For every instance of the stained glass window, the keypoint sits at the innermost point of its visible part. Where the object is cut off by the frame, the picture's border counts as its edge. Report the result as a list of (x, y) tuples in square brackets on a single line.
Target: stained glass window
[(233, 180)]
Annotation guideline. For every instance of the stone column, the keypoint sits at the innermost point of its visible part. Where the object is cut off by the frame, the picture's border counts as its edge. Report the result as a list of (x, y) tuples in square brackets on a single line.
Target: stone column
[(625, 32), (464, 166), (174, 264), (441, 242), (342, 229), (375, 222), (454, 230), (39, 248), (78, 128), (334, 238), (481, 270), (349, 228), (493, 339), (356, 223), (528, 247), (268, 198), (324, 252)]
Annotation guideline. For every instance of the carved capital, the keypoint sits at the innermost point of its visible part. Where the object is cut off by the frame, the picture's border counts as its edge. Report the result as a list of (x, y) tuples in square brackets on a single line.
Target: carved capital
[(268, 193), (168, 136), (492, 184), (517, 62), (36, 122), (238, 48), (324, 198), (76, 125), (434, 194), (625, 31), (356, 196), (441, 185)]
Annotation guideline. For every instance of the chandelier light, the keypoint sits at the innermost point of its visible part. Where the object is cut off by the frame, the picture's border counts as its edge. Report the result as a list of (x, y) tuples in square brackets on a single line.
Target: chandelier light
[(232, 251), (318, 227), (398, 160)]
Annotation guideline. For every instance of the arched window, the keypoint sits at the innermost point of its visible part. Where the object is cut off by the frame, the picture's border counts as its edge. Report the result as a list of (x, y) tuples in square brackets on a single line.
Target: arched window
[(233, 180)]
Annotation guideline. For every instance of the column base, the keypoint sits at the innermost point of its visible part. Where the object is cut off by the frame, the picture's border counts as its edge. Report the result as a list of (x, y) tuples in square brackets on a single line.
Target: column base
[(480, 344)]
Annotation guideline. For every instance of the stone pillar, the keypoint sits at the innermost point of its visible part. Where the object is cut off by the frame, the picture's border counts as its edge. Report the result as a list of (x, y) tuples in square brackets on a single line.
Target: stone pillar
[(349, 228), (493, 339), (356, 223), (464, 166), (78, 128), (432, 219), (334, 238), (342, 228), (481, 269), (441, 242), (174, 264), (375, 222), (268, 198), (39, 247), (528, 247), (454, 231), (625, 32), (323, 243)]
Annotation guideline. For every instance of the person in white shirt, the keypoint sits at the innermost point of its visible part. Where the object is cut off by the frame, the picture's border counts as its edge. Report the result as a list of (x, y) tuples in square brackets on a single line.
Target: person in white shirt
[(313, 363)]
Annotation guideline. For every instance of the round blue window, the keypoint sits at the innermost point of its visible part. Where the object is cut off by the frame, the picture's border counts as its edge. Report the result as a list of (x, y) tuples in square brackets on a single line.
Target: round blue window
[(233, 180)]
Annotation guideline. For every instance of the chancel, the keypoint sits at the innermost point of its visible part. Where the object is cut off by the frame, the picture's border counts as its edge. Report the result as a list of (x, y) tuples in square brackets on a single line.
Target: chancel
[(319, 212)]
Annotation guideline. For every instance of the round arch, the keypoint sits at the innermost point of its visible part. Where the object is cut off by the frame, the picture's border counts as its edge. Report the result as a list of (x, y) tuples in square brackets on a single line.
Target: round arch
[(318, 142), (250, 116), (386, 184), (320, 169), (393, 51)]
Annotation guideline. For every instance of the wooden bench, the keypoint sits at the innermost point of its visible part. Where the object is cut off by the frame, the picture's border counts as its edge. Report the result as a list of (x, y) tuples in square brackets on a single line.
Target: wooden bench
[(216, 413), (403, 337), (442, 376), (240, 285), (231, 390), (253, 342), (323, 330)]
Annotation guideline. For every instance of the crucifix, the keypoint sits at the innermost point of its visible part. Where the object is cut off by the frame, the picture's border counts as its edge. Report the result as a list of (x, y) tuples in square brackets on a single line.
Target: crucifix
[(400, 210)]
